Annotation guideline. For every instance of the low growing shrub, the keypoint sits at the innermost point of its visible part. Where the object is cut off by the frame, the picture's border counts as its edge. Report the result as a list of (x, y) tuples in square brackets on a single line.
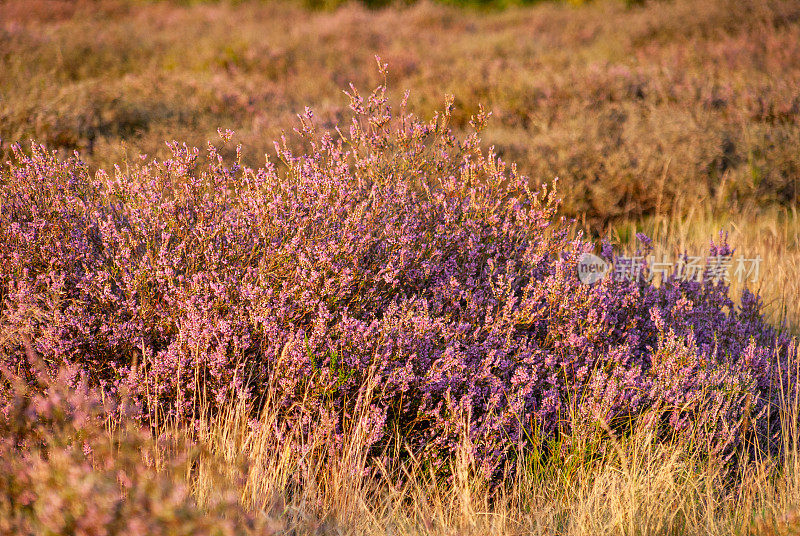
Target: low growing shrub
[(389, 249)]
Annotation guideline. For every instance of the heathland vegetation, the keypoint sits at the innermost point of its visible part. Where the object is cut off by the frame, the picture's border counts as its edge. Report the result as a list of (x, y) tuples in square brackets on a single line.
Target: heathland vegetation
[(379, 327)]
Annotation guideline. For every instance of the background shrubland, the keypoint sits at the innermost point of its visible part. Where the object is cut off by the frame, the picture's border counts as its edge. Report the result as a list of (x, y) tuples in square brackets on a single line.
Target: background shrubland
[(379, 328), (639, 110)]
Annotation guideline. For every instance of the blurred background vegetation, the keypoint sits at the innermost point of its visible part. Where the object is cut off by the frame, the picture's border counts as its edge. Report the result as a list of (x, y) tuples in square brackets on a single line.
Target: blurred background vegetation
[(642, 111)]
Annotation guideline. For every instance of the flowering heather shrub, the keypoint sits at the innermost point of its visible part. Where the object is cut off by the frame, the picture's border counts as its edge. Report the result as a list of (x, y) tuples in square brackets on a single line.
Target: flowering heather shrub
[(392, 253)]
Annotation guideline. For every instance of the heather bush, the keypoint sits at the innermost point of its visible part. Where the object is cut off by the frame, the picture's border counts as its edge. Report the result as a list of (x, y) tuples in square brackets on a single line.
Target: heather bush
[(388, 252)]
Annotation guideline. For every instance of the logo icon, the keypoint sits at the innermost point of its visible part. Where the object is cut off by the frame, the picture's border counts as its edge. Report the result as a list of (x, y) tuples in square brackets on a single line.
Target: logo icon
[(592, 268)]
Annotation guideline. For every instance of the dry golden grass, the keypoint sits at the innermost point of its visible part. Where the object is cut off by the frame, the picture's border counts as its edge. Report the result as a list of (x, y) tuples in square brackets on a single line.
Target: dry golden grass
[(641, 486)]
